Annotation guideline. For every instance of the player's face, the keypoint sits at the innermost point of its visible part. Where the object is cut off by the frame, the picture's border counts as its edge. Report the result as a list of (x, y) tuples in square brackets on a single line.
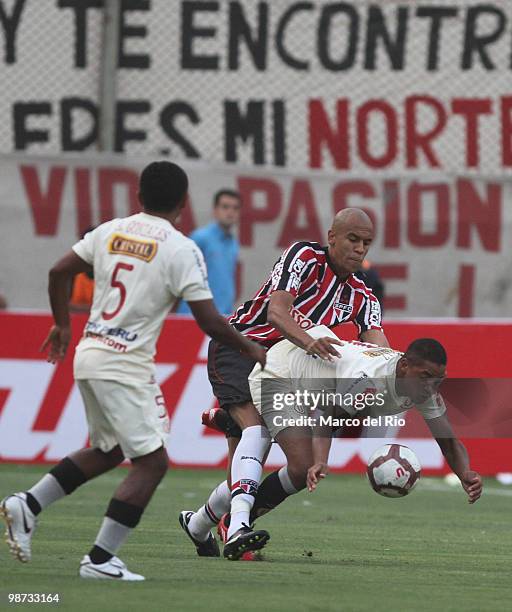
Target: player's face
[(227, 211), (421, 380), (348, 246)]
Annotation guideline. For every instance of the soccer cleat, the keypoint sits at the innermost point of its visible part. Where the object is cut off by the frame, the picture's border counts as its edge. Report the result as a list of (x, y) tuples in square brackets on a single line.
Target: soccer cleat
[(208, 548), (113, 569), (223, 526), (243, 541), (21, 524), (215, 418), (222, 530)]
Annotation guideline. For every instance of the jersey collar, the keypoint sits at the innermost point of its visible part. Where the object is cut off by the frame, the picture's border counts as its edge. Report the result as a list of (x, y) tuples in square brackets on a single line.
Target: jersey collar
[(331, 265)]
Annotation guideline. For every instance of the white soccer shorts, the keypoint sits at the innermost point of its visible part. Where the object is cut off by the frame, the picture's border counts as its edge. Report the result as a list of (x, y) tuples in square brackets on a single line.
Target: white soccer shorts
[(133, 416)]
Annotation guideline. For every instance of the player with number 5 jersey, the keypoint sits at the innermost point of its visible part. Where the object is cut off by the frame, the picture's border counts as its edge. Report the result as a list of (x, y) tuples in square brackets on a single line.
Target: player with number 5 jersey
[(142, 264)]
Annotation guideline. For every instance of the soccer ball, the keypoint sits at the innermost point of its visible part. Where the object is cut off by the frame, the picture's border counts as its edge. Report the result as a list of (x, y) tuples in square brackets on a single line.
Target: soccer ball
[(393, 470)]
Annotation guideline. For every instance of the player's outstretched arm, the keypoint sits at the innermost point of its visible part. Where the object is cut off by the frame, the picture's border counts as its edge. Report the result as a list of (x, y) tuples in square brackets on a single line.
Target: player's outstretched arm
[(215, 325), (279, 316), (456, 456), (59, 286)]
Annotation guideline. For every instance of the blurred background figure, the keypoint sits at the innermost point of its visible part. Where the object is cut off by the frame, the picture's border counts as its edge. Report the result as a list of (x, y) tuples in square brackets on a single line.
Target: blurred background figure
[(220, 249), (371, 278), (82, 290), (3, 302)]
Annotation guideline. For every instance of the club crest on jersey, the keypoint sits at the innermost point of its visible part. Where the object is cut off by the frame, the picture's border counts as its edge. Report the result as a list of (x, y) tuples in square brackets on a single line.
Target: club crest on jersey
[(119, 244), (340, 306)]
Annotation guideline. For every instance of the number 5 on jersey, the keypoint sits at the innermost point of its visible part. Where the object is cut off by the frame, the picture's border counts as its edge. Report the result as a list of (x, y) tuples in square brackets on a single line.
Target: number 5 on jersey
[(117, 284)]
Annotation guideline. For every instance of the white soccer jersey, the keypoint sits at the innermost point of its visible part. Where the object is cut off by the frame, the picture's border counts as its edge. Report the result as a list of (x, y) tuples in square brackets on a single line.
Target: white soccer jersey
[(142, 265), (361, 369)]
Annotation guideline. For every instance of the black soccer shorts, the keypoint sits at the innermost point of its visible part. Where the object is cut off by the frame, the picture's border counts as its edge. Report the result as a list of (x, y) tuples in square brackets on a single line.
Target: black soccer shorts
[(228, 371)]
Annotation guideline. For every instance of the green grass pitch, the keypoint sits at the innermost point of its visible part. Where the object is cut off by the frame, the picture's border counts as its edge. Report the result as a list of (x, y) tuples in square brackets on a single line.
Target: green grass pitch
[(343, 548)]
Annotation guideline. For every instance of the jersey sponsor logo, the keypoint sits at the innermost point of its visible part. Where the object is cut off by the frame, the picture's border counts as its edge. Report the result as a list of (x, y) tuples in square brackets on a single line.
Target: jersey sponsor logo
[(102, 330), (276, 274), (301, 319), (355, 382), (114, 344), (375, 314), (297, 266), (125, 245), (382, 352)]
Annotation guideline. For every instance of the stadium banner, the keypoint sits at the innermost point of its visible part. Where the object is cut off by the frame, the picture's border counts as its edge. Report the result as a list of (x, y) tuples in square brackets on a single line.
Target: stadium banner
[(442, 242), (359, 86), (42, 417)]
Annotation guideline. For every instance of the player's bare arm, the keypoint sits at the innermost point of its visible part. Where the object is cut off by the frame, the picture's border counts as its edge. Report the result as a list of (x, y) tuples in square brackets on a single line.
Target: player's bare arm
[(456, 456), (374, 336), (280, 305), (320, 467), (215, 325), (59, 286)]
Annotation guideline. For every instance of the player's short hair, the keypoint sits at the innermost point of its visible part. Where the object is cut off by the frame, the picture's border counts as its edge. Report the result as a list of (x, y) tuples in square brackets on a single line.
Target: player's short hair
[(162, 186), (426, 349), (225, 192)]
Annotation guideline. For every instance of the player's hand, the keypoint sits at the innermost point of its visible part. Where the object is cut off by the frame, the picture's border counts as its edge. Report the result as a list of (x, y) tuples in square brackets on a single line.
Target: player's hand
[(472, 484), (57, 341), (258, 353), (323, 347), (315, 473)]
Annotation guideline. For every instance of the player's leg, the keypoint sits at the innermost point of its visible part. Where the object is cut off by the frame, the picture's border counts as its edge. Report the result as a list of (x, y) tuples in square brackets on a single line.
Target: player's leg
[(123, 515), (247, 463), (290, 479), (20, 510), (138, 418), (246, 471), (228, 372), (197, 525)]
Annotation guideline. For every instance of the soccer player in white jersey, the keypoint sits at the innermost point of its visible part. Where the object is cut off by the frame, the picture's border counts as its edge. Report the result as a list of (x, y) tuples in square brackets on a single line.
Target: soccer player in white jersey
[(142, 265), (364, 380)]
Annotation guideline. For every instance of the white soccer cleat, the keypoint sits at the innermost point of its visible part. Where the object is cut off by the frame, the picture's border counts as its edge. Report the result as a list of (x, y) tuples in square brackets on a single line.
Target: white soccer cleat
[(114, 569), (21, 524)]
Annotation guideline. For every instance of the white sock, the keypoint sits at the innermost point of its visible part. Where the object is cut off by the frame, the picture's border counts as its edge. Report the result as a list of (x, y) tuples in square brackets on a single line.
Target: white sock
[(112, 535), (246, 470), (47, 491), (286, 482), (210, 514)]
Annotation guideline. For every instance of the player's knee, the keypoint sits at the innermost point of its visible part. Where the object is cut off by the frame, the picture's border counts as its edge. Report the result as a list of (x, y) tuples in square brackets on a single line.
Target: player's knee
[(114, 456), (155, 464), (245, 415)]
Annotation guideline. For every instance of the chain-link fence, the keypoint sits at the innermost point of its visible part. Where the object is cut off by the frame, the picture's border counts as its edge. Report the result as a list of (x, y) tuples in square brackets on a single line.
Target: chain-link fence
[(390, 85)]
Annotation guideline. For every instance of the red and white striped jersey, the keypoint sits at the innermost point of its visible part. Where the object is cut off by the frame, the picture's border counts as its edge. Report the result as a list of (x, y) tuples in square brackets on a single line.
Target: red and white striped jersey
[(321, 297)]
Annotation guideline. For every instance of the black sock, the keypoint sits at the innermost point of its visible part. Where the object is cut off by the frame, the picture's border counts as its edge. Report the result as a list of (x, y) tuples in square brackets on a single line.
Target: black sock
[(33, 504), (270, 494), (99, 555), (68, 475), (121, 517)]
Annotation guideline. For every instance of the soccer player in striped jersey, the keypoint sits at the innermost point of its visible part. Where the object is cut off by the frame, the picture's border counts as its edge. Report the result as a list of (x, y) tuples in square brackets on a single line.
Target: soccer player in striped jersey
[(311, 284)]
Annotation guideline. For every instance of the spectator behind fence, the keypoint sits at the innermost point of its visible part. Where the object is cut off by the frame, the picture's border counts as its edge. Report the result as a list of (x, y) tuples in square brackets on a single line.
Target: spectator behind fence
[(220, 249)]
